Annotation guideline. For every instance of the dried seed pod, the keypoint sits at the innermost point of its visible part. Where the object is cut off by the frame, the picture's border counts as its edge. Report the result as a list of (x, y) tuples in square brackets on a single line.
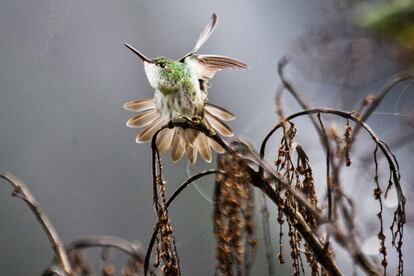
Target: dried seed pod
[(233, 216)]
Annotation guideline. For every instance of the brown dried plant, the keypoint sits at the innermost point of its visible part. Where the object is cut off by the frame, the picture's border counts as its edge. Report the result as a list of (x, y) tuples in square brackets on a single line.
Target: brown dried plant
[(288, 183), (233, 217)]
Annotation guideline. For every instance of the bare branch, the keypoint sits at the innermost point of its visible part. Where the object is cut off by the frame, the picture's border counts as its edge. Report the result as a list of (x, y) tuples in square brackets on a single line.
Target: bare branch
[(300, 224), (132, 249), (169, 202), (328, 173), (400, 212), (376, 100), (289, 87), (348, 115), (21, 191), (326, 261)]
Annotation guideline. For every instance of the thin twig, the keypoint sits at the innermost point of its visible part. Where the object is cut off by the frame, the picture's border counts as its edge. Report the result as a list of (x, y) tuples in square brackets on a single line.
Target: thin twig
[(289, 87), (328, 174), (132, 249), (266, 235), (326, 261), (299, 223), (171, 200), (256, 160), (21, 191), (358, 256), (347, 115), (376, 100), (377, 195)]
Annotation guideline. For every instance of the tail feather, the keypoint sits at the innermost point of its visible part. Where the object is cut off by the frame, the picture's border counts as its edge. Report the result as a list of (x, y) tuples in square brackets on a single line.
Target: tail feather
[(189, 136), (218, 125), (179, 141), (164, 140), (148, 132), (177, 147), (143, 119), (204, 147), (191, 152), (140, 105), (216, 146)]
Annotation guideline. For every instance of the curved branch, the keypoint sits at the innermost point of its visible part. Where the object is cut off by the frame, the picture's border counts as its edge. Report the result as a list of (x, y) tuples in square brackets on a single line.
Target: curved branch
[(328, 172), (289, 87), (257, 180), (133, 250), (362, 260), (280, 70), (258, 161), (187, 124), (125, 246), (376, 101), (190, 181), (171, 200), (299, 223), (21, 191), (350, 116)]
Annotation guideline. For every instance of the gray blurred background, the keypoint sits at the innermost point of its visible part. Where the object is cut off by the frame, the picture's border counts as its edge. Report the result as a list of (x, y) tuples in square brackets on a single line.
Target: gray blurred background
[(65, 74)]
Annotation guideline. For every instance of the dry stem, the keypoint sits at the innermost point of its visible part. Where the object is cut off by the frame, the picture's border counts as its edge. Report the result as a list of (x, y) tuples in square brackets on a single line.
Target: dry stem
[(21, 191)]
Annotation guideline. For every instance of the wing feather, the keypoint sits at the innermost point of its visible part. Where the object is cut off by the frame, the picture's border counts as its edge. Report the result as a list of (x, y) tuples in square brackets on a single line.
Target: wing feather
[(204, 35), (206, 66)]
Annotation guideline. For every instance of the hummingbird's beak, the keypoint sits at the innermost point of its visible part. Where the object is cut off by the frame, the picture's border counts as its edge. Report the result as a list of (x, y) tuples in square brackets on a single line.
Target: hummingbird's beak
[(144, 58)]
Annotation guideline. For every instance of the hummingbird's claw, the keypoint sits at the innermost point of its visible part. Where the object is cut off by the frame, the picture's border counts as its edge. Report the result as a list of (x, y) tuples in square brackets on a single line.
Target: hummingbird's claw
[(211, 132), (198, 121)]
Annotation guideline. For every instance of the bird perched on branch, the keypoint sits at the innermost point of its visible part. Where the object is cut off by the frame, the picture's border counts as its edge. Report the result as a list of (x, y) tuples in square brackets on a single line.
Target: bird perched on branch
[(181, 94)]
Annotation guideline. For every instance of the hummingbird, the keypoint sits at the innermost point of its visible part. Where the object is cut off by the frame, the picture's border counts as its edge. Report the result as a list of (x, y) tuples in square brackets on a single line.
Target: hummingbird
[(181, 94)]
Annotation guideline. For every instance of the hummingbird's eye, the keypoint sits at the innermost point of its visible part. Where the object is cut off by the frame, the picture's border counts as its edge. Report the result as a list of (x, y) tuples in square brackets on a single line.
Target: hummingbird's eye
[(162, 65)]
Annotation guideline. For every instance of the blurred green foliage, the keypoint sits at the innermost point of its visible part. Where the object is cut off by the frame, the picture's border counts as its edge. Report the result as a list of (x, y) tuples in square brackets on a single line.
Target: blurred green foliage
[(392, 21)]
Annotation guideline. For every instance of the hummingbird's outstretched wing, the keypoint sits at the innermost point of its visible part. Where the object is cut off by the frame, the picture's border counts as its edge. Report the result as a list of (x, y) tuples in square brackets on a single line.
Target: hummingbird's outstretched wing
[(204, 35), (206, 66)]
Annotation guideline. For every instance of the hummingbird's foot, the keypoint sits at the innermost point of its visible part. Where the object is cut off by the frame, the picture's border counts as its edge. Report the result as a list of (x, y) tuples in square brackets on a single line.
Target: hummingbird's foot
[(201, 122), (185, 118), (198, 121)]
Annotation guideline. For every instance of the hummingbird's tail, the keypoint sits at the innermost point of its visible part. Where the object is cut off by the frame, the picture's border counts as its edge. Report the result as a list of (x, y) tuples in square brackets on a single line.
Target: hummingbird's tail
[(179, 141)]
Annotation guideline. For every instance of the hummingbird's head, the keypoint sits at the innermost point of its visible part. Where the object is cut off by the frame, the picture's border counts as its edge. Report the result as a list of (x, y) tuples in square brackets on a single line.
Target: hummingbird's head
[(163, 73)]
